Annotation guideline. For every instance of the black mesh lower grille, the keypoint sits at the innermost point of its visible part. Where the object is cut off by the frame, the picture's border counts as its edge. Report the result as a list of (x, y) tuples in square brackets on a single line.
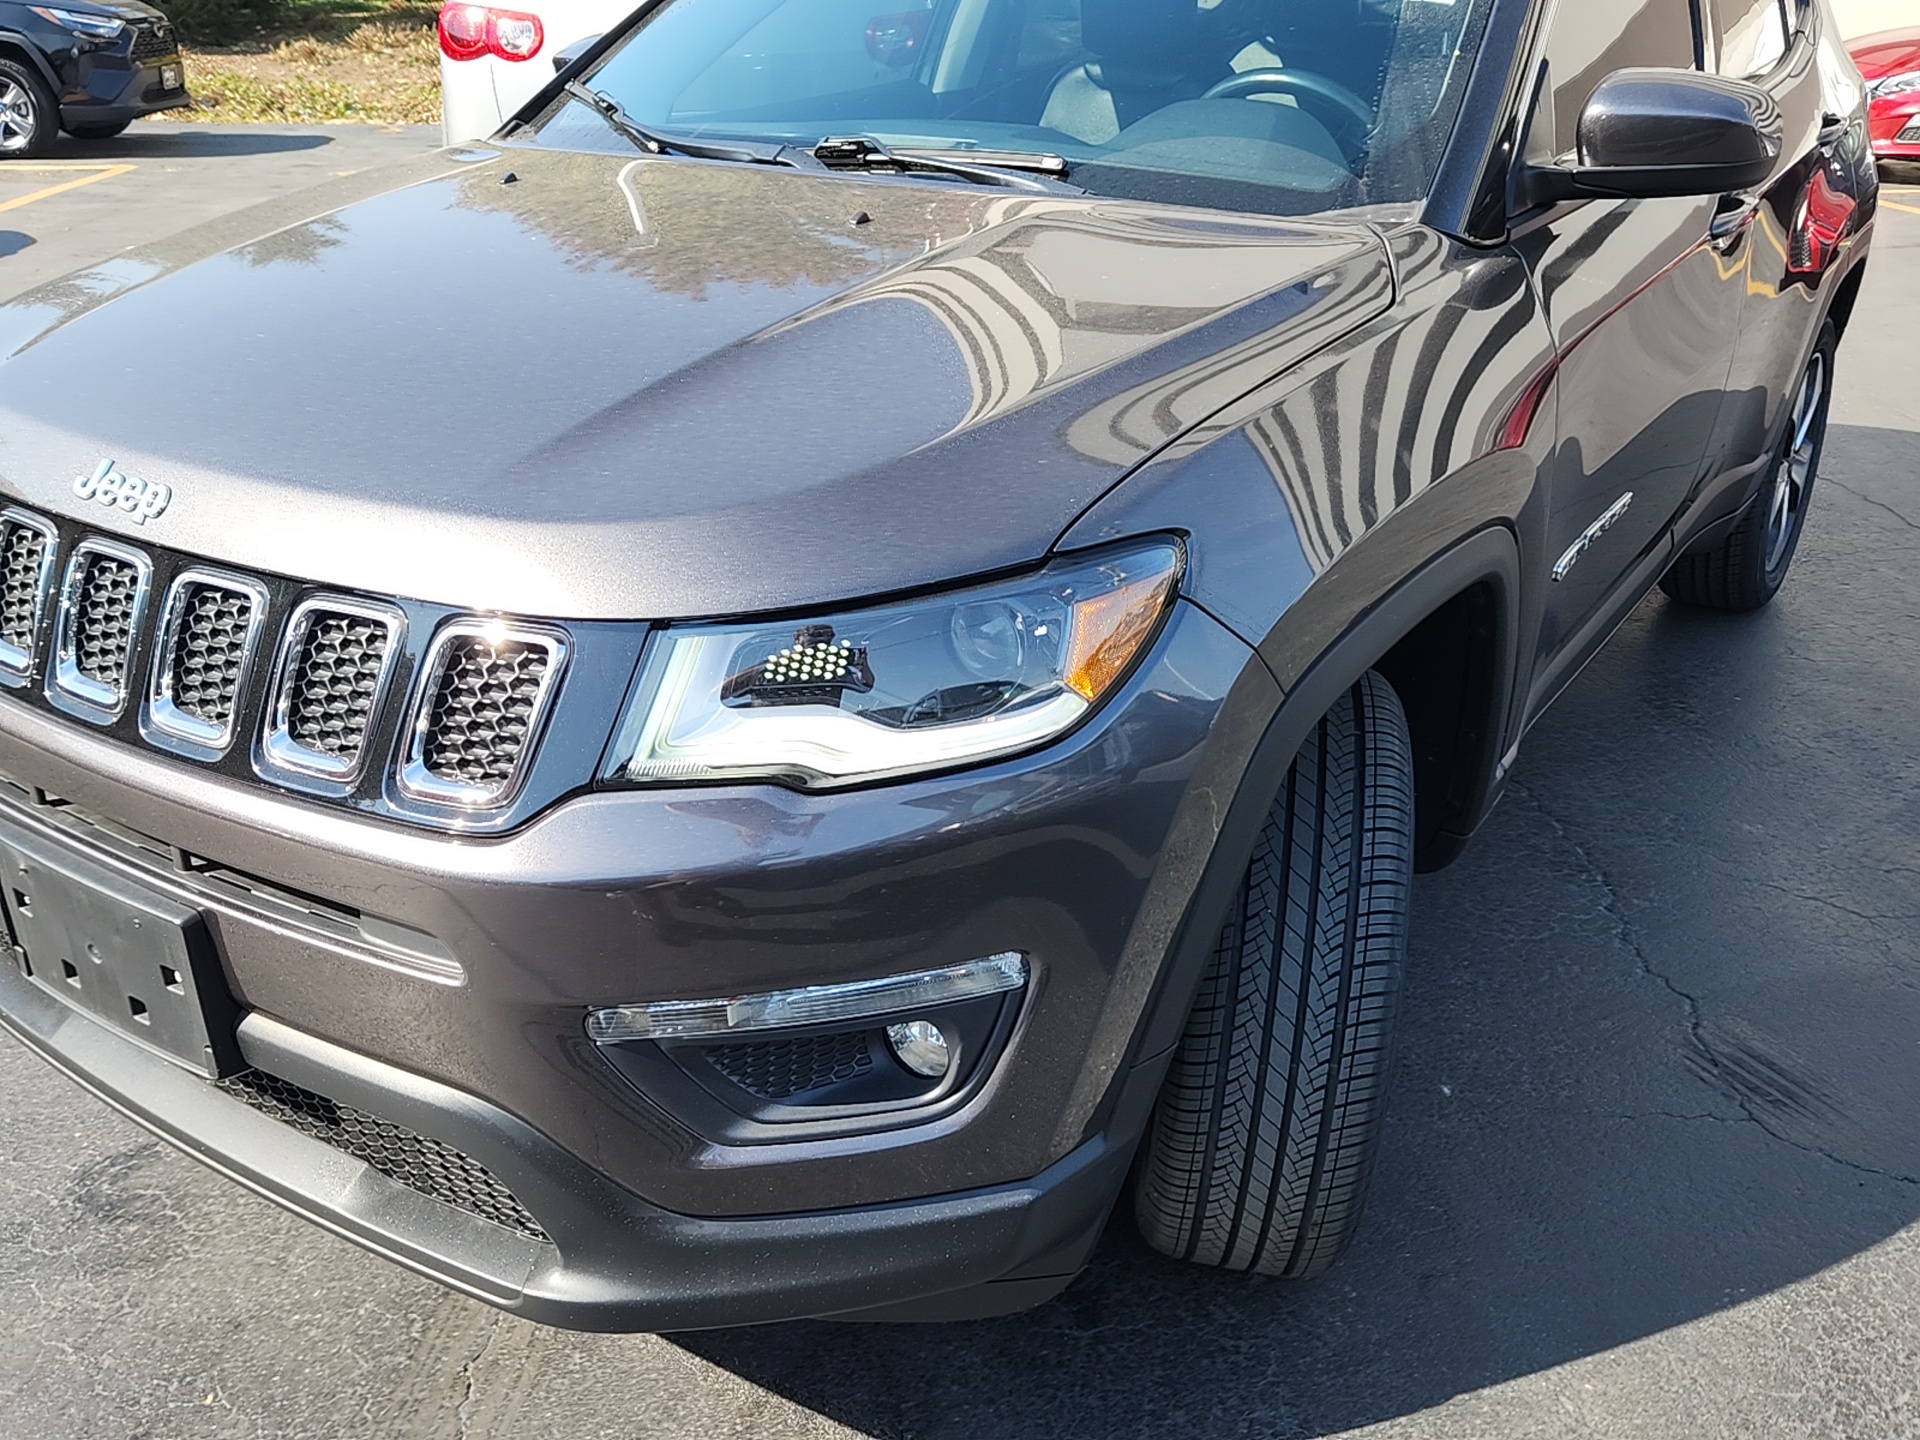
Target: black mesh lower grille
[(103, 619), (430, 1167), (777, 1069), (483, 709), (22, 548), (335, 679), (209, 652)]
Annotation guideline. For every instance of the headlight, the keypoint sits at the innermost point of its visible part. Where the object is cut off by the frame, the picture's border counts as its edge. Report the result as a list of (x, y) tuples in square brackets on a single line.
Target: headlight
[(94, 27), (1894, 85), (897, 689)]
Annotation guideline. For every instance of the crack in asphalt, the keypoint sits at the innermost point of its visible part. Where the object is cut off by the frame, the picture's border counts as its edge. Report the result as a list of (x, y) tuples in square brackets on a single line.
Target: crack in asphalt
[(470, 1386), (1629, 940), (1880, 504)]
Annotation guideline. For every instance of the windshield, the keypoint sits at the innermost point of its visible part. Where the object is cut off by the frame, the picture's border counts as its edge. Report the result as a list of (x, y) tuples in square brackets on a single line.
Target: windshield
[(1282, 106)]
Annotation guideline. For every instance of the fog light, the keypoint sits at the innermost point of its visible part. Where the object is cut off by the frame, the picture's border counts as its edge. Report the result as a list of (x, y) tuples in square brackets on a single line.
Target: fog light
[(921, 1047)]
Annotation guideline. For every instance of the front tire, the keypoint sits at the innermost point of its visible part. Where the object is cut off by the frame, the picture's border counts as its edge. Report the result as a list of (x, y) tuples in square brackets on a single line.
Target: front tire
[(1745, 570), (1263, 1139), (29, 118), (97, 132)]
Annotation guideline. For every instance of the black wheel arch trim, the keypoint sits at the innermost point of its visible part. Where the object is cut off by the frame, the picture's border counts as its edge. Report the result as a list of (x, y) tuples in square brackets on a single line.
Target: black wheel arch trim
[(1491, 556), (11, 40)]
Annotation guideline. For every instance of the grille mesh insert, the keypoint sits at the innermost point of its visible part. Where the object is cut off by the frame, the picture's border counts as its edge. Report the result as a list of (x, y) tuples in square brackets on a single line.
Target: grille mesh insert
[(209, 651), (151, 42), (777, 1069), (482, 710), (335, 679), (22, 548), (102, 633), (430, 1167)]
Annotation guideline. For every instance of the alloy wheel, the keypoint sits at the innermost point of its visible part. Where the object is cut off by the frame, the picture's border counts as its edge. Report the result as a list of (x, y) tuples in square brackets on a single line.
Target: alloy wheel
[(17, 119), (1794, 476)]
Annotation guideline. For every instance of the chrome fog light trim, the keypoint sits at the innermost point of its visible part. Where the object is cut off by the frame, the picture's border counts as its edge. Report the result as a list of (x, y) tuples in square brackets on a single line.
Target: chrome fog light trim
[(812, 1005)]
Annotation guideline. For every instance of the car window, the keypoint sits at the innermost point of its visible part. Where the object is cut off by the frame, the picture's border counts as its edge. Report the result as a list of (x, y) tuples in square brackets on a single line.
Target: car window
[(1285, 106), (1752, 35), (1590, 40)]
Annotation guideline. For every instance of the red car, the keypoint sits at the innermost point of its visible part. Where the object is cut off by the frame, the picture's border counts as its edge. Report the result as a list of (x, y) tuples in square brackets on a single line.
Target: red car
[(1890, 61)]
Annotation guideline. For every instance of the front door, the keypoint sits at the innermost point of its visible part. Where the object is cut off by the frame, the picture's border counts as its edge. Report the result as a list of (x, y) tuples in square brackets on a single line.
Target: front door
[(1645, 316)]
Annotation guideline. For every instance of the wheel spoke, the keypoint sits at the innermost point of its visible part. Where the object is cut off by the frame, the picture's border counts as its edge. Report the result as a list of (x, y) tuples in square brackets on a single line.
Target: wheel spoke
[(1812, 390)]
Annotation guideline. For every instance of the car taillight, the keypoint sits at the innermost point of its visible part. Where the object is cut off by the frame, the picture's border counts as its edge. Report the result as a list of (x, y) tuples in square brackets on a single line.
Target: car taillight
[(514, 36), (469, 31)]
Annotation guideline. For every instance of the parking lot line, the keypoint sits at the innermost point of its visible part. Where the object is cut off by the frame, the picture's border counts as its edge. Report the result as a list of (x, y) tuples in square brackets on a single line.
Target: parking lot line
[(96, 173)]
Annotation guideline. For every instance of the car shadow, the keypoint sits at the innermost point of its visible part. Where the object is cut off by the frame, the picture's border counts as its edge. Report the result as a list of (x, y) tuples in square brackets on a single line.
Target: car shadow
[(1658, 1023), (12, 242), (187, 142)]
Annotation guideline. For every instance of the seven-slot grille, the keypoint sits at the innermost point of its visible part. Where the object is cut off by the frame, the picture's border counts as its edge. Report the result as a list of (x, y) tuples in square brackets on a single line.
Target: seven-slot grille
[(487, 692), (478, 702), (208, 652), (26, 555), (333, 679), (101, 606), (207, 637)]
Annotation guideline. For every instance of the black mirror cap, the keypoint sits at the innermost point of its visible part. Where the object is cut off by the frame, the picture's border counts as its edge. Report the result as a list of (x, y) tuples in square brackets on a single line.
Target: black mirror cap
[(1650, 134), (564, 57)]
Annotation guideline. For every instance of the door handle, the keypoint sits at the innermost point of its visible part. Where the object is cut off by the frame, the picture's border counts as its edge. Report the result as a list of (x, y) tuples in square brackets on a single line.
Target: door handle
[(1731, 219), (1833, 129)]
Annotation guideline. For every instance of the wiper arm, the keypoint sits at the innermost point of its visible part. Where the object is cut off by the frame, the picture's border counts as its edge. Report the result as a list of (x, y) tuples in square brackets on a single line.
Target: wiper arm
[(983, 167), (654, 143)]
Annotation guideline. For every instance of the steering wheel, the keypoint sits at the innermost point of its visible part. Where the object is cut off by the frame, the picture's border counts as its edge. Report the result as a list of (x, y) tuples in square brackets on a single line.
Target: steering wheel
[(1352, 117)]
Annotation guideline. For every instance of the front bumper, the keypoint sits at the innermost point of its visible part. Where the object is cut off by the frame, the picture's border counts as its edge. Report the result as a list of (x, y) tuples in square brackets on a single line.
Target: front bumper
[(108, 89), (1084, 857), (1893, 129), (612, 1261)]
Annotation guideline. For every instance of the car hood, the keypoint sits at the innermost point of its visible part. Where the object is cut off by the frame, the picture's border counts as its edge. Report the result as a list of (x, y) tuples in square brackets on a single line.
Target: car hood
[(1892, 52), (590, 386)]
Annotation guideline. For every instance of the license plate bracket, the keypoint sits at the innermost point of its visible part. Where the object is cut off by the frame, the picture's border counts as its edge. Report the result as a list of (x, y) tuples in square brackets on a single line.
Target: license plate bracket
[(120, 952)]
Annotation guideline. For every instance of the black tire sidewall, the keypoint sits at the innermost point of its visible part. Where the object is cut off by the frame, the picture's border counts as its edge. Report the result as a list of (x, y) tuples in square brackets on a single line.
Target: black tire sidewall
[(46, 110), (98, 132), (1771, 579)]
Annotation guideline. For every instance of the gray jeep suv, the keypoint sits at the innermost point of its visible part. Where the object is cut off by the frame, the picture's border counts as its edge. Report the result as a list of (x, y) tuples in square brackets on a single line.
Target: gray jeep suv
[(759, 697)]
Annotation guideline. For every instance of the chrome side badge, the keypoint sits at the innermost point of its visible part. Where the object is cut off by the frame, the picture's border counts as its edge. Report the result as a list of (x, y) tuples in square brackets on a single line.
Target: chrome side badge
[(1563, 567), (144, 500)]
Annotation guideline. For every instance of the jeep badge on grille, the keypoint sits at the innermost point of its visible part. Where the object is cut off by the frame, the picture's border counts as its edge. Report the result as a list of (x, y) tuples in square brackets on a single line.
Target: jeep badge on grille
[(144, 500)]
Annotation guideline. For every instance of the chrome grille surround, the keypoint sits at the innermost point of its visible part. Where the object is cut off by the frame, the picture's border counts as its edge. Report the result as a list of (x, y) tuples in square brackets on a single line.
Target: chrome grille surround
[(176, 699), (355, 696), (473, 726), (29, 554), (103, 601)]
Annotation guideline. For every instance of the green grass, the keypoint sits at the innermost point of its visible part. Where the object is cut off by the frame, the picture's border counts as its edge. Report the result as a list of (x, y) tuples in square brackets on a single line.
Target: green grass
[(318, 60)]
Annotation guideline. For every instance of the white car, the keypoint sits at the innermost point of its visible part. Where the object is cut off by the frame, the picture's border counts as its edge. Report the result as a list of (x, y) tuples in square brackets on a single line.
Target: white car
[(493, 60)]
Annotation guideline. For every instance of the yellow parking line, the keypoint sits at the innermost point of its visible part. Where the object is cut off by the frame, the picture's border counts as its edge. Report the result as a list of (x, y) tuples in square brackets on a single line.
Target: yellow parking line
[(1890, 204), (97, 172)]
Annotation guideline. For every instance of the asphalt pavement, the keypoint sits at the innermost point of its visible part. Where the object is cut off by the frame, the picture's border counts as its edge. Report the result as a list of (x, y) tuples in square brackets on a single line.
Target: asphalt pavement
[(1653, 1160)]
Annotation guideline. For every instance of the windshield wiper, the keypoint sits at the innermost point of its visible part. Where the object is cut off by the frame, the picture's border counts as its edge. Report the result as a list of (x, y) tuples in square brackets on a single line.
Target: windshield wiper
[(655, 143), (983, 167)]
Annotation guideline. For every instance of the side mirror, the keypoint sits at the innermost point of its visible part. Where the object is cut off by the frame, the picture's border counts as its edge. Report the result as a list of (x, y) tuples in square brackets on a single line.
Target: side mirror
[(1649, 134), (565, 56)]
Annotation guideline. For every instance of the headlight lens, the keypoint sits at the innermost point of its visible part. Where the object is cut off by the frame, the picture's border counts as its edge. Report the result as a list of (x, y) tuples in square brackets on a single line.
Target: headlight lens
[(94, 27), (896, 689), (1894, 85)]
